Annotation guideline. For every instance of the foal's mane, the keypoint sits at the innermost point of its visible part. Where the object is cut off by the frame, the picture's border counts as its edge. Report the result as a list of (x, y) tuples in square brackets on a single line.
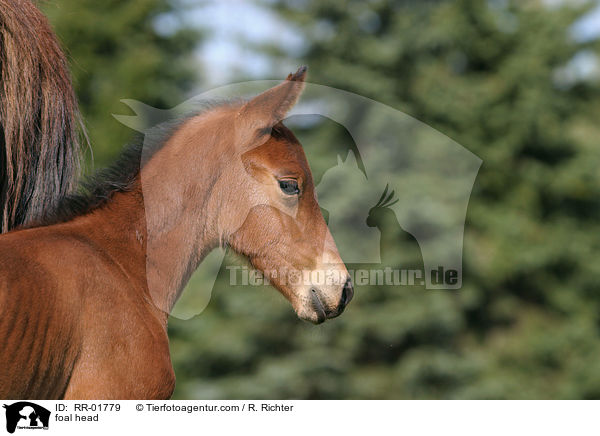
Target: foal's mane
[(98, 189)]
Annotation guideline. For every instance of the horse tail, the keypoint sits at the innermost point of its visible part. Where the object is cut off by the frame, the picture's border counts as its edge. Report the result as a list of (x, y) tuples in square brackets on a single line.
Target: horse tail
[(40, 125)]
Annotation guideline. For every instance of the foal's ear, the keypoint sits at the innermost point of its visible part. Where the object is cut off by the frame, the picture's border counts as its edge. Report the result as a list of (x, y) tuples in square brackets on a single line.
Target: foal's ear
[(267, 109)]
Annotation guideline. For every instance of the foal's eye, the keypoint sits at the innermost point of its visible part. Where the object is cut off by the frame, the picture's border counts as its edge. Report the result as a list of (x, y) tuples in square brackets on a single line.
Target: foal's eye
[(289, 187)]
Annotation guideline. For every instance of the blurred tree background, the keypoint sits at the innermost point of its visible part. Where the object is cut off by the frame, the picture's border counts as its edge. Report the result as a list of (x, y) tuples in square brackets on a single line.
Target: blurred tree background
[(504, 79)]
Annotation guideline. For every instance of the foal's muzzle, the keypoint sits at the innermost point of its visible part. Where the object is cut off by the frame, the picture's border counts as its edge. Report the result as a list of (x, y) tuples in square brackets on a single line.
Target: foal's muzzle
[(323, 312)]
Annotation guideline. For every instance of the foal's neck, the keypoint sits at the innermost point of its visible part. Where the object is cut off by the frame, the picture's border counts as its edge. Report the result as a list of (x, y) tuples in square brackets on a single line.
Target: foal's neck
[(167, 223), (181, 210), (181, 217)]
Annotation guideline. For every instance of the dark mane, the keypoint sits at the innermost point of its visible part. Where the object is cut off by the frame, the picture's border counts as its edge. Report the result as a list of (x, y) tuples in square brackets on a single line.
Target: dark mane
[(97, 189)]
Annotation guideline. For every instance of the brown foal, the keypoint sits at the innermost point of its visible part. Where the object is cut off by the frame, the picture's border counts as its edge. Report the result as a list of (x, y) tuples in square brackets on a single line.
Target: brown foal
[(85, 293)]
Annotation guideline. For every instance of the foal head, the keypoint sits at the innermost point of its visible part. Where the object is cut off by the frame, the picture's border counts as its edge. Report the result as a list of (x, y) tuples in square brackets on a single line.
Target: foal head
[(248, 187), (268, 208)]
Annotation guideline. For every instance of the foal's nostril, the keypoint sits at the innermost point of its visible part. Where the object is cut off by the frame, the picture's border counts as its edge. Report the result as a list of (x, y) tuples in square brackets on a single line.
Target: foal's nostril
[(347, 293)]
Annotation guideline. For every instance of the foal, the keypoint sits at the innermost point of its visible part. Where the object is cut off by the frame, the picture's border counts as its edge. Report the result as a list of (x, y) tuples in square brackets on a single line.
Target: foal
[(85, 295)]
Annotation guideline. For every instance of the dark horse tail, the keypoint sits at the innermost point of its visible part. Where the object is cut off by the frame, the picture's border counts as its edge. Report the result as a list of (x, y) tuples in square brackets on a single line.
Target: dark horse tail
[(40, 125)]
